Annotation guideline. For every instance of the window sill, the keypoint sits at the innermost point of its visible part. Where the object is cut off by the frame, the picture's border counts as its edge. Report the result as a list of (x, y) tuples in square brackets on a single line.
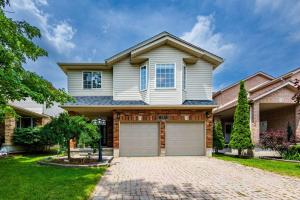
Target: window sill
[(165, 88)]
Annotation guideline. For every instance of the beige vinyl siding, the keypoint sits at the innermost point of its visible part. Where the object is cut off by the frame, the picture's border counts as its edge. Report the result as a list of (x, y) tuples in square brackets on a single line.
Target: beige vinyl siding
[(29, 104), (199, 81), (75, 84), (126, 85), (165, 55)]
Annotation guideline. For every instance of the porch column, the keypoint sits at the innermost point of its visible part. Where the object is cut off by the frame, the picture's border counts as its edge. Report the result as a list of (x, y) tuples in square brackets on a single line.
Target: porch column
[(209, 133), (162, 134), (9, 126), (255, 123), (297, 123)]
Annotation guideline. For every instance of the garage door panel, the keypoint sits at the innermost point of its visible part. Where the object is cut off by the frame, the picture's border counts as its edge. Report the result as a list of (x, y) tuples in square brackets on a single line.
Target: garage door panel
[(139, 139), (185, 139)]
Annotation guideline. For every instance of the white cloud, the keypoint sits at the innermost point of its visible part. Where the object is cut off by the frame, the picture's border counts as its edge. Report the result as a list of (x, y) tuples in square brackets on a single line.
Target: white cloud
[(203, 35), (284, 15), (59, 35)]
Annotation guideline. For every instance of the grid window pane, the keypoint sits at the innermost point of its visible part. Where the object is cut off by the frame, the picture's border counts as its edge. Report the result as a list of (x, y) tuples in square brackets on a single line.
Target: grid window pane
[(96, 80), (91, 80), (165, 76), (87, 80), (143, 74)]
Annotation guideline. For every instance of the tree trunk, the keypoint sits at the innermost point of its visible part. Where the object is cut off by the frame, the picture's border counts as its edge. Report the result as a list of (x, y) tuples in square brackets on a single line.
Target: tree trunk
[(239, 152), (217, 150), (68, 150)]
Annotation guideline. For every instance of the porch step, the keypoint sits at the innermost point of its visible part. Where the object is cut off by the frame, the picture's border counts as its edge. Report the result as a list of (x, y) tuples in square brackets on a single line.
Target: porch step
[(107, 151)]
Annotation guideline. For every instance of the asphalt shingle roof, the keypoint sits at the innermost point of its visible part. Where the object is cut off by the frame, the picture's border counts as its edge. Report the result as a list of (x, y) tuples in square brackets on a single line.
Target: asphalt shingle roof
[(101, 100), (199, 102), (108, 100)]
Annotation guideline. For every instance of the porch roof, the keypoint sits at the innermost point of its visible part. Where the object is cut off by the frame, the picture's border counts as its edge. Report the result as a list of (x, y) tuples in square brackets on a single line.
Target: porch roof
[(82, 101), (101, 100)]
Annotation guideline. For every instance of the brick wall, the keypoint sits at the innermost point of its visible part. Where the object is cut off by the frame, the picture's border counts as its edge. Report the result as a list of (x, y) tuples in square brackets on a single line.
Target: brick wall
[(278, 119), (162, 117)]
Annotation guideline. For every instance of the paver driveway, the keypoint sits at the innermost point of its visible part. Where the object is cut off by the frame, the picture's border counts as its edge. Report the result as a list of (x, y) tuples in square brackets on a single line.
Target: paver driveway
[(191, 178)]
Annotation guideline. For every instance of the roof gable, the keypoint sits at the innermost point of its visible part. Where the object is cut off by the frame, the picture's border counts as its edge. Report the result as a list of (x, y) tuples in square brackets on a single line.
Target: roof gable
[(163, 39), (260, 73)]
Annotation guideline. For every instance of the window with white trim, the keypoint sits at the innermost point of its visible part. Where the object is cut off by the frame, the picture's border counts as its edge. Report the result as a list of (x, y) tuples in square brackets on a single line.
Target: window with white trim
[(165, 76), (143, 78), (92, 80)]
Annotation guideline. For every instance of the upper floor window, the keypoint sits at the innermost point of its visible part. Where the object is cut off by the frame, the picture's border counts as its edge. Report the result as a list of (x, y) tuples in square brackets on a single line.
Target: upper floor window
[(143, 78), (165, 75), (91, 80)]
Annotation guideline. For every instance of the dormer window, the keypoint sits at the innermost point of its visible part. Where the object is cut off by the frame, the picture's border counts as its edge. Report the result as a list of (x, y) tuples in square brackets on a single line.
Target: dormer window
[(92, 80), (165, 76), (143, 78)]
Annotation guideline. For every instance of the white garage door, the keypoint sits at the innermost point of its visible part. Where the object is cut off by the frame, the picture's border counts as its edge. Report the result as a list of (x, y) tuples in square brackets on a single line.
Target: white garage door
[(185, 139), (139, 139)]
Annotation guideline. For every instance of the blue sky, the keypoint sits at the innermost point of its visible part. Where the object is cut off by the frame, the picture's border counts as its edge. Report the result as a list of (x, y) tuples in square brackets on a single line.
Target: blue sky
[(252, 35)]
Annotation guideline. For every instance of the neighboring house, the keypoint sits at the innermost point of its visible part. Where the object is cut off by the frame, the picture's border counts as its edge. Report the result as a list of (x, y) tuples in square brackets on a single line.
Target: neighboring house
[(30, 114), (271, 104), (153, 99)]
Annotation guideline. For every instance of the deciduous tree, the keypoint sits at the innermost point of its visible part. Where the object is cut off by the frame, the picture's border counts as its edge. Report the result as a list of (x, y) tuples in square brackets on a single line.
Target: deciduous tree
[(16, 48)]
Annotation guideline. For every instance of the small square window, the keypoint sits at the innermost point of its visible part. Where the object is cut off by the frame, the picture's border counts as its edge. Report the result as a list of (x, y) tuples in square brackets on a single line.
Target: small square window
[(91, 80)]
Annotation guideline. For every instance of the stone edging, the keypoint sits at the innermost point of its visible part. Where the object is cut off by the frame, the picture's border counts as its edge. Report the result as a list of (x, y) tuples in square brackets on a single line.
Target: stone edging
[(105, 163), (279, 159)]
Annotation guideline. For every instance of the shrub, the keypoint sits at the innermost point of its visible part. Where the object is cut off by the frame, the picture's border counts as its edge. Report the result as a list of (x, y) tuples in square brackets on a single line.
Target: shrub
[(292, 153), (276, 140), (218, 138), (33, 139)]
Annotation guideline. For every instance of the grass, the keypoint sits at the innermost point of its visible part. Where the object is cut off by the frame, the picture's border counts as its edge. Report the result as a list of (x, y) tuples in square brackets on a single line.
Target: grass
[(22, 178), (279, 167)]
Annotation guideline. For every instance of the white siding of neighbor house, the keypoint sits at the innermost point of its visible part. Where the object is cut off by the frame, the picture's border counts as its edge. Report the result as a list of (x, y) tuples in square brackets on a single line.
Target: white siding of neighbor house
[(75, 84), (199, 81), (126, 85), (165, 55)]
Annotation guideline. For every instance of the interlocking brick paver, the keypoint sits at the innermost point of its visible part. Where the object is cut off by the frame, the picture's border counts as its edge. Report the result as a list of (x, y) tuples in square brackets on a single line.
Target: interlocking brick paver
[(191, 178)]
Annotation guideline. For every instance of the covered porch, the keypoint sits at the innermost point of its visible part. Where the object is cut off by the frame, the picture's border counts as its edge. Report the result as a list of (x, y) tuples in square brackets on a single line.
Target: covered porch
[(104, 119)]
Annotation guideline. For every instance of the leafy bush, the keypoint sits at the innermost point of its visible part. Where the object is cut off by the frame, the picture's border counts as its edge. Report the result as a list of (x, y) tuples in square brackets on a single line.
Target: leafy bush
[(292, 153), (276, 140), (32, 138)]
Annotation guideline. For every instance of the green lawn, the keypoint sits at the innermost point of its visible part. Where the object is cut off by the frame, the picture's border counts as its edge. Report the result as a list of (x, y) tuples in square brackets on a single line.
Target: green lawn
[(284, 168), (22, 178)]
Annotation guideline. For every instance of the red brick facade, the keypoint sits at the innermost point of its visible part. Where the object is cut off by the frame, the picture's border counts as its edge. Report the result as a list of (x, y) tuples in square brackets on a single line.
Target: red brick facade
[(162, 117)]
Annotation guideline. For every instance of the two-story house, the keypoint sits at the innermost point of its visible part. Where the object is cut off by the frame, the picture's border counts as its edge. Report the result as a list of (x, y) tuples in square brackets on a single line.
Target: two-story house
[(152, 99)]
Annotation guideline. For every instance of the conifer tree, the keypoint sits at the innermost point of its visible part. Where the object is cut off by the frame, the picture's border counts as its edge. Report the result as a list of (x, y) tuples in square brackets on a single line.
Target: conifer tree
[(218, 137), (241, 134)]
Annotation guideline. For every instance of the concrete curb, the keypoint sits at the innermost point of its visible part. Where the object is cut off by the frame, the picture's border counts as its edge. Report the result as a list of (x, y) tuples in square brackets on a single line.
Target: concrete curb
[(279, 159)]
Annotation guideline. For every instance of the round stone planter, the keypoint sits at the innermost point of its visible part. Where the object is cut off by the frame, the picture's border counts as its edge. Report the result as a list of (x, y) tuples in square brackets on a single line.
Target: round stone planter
[(106, 162)]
